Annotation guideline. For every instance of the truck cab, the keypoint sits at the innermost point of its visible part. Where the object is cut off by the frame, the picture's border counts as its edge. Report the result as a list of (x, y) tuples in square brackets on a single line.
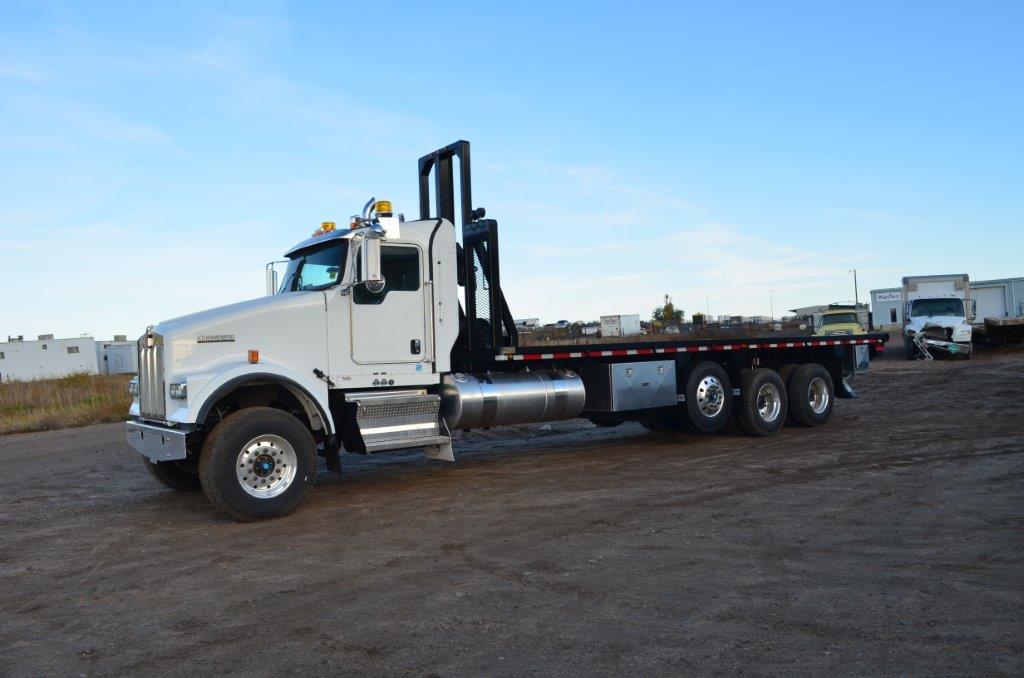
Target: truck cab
[(937, 315), (840, 320)]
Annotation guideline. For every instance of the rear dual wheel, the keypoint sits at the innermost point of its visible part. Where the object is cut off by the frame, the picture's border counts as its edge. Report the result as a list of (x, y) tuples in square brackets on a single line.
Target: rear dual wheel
[(811, 395), (708, 397), (763, 403)]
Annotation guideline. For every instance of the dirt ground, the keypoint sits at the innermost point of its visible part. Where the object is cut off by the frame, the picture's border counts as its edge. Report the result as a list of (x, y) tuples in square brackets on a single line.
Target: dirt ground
[(889, 542)]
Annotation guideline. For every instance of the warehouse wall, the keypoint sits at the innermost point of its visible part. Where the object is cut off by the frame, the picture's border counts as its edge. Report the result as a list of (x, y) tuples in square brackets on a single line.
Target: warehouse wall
[(886, 309), (47, 358)]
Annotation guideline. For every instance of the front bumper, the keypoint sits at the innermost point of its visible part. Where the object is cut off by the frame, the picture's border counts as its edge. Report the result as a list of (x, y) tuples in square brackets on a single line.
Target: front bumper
[(950, 347), (157, 443)]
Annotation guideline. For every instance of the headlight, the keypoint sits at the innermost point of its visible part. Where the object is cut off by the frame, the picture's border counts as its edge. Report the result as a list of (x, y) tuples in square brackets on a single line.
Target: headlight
[(133, 387), (179, 390)]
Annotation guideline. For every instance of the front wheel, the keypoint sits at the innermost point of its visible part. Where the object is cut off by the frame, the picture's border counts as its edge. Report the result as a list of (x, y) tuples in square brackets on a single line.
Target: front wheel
[(258, 463)]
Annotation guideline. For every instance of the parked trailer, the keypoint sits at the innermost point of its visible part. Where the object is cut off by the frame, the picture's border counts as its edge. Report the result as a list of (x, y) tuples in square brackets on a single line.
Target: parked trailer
[(366, 348), (620, 325)]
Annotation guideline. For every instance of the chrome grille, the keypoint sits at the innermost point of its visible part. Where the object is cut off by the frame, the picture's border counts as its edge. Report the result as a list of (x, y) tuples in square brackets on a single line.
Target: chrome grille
[(152, 404)]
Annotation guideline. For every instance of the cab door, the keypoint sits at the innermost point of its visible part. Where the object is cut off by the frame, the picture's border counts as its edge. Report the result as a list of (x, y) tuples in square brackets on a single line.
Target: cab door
[(390, 326)]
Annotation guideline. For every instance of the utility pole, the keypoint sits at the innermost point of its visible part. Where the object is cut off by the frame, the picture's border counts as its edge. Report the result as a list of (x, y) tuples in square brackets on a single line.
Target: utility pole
[(771, 303), (707, 309), (856, 297)]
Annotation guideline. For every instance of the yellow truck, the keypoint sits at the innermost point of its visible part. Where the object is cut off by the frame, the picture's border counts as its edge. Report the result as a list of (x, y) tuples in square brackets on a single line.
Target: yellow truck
[(840, 320)]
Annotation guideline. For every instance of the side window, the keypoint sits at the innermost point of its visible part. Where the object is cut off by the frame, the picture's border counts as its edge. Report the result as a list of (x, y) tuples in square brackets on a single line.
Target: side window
[(401, 268)]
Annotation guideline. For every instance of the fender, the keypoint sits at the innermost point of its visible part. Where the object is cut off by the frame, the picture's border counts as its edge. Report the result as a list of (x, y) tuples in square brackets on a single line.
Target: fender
[(219, 385)]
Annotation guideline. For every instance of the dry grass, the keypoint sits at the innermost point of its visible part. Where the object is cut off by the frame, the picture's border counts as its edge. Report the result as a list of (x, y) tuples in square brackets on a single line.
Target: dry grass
[(77, 400)]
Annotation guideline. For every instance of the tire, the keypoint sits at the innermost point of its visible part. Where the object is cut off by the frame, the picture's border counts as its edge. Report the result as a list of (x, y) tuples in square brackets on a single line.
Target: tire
[(786, 371), (274, 439), (708, 397), (763, 403), (180, 476), (811, 395)]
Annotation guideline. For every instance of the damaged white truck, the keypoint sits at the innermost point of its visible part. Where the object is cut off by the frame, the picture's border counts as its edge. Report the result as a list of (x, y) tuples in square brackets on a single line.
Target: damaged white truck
[(937, 316)]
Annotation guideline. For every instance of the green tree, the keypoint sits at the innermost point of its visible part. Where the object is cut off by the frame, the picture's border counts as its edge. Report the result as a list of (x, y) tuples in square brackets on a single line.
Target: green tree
[(667, 314)]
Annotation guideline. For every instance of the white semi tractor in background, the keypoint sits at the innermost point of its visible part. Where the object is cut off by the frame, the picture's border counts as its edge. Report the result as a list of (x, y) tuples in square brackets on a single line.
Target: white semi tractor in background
[(937, 315), (390, 334)]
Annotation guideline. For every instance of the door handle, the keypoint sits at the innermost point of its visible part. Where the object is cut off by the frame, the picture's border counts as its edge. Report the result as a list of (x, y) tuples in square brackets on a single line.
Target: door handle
[(415, 346)]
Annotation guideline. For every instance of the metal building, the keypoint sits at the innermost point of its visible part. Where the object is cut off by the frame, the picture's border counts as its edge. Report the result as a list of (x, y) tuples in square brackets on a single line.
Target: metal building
[(886, 313), (993, 298), (46, 358), (117, 357)]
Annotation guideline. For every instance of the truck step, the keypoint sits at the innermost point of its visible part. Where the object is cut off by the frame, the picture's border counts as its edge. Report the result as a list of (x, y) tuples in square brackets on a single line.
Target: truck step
[(390, 420), (428, 441)]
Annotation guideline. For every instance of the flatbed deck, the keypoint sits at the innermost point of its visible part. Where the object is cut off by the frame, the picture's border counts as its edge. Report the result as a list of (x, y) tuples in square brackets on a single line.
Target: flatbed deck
[(637, 348)]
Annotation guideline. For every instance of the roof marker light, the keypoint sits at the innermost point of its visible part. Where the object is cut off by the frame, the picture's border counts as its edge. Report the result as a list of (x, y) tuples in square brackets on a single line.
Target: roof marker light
[(325, 227)]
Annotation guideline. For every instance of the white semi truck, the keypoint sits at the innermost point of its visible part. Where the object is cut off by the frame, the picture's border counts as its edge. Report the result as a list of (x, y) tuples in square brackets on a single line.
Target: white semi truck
[(390, 334), (937, 315)]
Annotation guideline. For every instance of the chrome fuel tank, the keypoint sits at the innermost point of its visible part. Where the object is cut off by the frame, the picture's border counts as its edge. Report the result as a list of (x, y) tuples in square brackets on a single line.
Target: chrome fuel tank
[(503, 398)]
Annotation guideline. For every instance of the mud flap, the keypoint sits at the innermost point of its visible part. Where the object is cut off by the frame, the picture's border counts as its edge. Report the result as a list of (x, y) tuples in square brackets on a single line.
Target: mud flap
[(442, 452), (848, 391)]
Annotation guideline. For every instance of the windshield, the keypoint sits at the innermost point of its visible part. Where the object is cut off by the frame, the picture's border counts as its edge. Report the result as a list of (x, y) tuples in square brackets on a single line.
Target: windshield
[(837, 318), (316, 268), (933, 307)]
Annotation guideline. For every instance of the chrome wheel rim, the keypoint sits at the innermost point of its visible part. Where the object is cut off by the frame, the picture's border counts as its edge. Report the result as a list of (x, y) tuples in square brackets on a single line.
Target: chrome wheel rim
[(818, 395), (266, 466), (710, 396), (769, 402)]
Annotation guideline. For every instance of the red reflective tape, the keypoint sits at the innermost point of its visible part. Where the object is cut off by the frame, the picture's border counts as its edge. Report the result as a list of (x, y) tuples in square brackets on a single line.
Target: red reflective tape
[(644, 351), (563, 355), (620, 351), (532, 356)]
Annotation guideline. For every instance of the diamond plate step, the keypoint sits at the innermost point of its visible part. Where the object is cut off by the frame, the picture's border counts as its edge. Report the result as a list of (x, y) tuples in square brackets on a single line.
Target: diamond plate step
[(390, 420)]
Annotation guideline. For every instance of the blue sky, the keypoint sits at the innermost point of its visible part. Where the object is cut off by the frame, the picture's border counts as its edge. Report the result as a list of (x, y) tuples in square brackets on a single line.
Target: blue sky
[(155, 156)]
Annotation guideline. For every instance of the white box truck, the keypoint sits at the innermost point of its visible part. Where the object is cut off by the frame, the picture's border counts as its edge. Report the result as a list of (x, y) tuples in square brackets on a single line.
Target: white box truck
[(620, 325), (937, 315)]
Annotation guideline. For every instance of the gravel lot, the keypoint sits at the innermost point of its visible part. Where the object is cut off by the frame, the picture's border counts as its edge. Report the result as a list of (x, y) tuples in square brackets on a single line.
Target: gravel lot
[(889, 542)]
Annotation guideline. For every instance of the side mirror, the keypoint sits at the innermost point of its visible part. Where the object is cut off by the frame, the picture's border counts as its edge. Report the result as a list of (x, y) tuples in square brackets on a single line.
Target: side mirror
[(974, 310), (271, 277), (370, 274)]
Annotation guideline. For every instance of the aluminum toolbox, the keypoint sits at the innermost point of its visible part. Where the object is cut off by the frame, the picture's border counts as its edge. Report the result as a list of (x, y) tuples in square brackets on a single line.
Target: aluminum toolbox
[(619, 387)]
